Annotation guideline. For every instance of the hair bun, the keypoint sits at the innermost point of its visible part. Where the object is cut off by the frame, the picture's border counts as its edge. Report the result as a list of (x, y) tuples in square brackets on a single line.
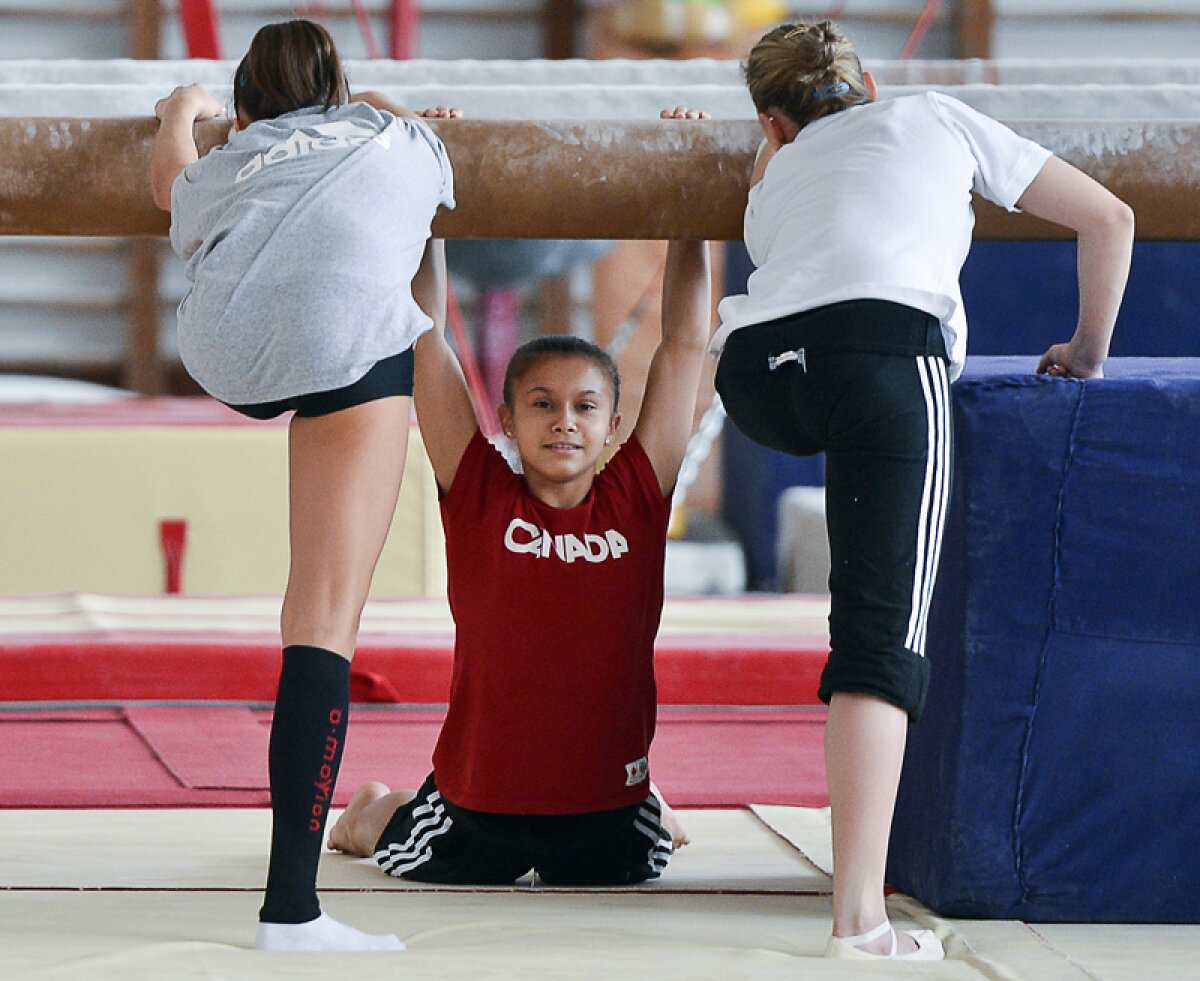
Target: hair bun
[(816, 46), (828, 39)]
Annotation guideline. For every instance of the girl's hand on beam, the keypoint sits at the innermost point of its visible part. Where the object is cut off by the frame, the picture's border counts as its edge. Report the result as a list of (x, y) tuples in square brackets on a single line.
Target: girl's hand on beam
[(387, 104), (175, 143), (190, 102), (683, 112)]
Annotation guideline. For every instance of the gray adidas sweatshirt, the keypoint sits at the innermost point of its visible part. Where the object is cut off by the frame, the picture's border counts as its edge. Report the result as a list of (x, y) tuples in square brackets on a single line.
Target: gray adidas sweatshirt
[(302, 235)]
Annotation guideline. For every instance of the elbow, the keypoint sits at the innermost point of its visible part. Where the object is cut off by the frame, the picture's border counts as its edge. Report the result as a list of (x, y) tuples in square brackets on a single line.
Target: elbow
[(1117, 220), (161, 181), (1128, 219), (163, 201), (1110, 226)]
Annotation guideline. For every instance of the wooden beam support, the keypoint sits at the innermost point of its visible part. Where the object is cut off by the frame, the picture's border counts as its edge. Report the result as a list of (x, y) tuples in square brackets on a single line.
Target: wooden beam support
[(145, 29), (145, 372), (976, 29), (569, 179), (560, 18)]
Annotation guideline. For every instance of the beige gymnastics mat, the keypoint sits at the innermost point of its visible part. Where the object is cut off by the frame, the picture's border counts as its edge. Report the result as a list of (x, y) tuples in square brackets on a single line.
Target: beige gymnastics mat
[(226, 849), (172, 894), (807, 829), (534, 936)]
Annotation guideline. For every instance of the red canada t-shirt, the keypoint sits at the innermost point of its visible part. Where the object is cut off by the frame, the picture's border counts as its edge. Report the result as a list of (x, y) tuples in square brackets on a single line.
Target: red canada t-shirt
[(552, 702)]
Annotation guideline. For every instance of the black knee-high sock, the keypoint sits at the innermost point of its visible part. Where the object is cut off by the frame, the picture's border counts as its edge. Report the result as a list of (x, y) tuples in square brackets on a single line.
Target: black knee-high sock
[(307, 734)]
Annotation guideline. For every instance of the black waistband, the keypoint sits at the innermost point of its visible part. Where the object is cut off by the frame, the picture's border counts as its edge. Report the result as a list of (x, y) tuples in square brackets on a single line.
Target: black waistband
[(854, 326)]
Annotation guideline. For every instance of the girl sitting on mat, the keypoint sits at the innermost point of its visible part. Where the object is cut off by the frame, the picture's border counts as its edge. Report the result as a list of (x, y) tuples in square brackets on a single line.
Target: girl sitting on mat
[(556, 587), (302, 235), (859, 220)]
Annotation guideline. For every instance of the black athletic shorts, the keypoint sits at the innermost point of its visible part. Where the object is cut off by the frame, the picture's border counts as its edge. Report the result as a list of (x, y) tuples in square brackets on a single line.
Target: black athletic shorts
[(391, 376), (431, 840), (865, 382)]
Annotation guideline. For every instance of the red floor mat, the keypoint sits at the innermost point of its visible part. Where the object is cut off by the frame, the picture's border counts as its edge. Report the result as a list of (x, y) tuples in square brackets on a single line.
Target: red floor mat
[(753, 650), (176, 671), (184, 756)]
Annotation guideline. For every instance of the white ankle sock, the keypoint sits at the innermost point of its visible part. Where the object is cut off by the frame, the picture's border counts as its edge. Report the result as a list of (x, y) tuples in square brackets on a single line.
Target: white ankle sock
[(322, 934)]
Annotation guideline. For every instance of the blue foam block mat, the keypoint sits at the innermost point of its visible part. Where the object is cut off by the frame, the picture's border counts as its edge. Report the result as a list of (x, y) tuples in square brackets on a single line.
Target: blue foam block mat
[(1055, 775)]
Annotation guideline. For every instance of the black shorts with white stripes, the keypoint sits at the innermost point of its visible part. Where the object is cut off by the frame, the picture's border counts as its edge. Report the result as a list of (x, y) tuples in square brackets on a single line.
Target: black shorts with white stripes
[(865, 382), (431, 840)]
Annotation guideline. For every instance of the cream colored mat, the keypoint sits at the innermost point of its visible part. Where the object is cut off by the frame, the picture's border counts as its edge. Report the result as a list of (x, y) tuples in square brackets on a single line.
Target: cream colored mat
[(805, 828), (173, 894), (533, 936), (779, 620), (226, 849)]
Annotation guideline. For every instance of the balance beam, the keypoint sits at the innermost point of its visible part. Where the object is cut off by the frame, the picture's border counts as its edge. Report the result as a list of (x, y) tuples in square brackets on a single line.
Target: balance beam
[(603, 179)]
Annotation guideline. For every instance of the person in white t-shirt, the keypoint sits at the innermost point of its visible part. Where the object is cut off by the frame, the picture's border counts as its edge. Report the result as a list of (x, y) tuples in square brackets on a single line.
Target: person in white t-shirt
[(858, 221)]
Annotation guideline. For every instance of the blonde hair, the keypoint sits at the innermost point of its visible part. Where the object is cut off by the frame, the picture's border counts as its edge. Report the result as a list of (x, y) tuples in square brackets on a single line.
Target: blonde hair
[(805, 71)]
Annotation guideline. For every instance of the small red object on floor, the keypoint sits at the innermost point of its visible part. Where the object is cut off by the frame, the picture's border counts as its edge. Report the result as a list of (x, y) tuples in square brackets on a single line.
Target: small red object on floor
[(172, 533)]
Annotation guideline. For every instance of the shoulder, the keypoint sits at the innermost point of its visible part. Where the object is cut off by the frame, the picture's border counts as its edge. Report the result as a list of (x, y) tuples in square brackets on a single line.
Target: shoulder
[(361, 114), (483, 463), (482, 453), (630, 455), (962, 118), (630, 470), (945, 107)]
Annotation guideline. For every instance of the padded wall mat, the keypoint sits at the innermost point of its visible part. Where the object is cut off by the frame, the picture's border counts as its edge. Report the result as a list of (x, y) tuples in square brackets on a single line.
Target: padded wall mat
[(750, 650)]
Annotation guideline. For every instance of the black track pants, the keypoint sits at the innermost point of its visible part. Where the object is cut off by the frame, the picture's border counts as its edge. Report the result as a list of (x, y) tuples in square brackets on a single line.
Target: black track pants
[(865, 382)]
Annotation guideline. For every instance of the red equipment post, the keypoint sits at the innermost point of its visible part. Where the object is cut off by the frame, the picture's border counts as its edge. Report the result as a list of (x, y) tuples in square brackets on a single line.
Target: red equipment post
[(406, 20), (201, 28)]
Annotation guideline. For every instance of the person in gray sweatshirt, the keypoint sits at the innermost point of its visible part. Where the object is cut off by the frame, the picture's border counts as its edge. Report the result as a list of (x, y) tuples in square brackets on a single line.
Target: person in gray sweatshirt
[(302, 234)]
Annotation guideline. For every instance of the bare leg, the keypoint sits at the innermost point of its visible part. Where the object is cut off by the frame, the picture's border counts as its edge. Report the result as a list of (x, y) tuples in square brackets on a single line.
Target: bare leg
[(344, 477), (357, 831), (864, 751)]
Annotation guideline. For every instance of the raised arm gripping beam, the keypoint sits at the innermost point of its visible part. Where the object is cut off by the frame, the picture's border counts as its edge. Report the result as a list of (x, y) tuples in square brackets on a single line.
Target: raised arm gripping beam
[(656, 179)]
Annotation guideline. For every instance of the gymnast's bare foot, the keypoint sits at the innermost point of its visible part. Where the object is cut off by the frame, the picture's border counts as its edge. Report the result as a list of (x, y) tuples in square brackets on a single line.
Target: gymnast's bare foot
[(671, 822), (322, 935), (342, 836)]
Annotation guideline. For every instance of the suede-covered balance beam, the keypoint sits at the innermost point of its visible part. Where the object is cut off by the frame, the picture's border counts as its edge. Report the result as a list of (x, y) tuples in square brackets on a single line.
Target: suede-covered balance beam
[(604, 179)]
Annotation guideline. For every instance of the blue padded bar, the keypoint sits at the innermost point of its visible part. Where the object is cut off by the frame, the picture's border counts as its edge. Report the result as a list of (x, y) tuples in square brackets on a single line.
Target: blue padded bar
[(1055, 775)]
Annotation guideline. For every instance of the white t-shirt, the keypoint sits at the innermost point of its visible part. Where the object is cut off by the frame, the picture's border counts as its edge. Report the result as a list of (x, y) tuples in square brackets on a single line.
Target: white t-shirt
[(874, 202)]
